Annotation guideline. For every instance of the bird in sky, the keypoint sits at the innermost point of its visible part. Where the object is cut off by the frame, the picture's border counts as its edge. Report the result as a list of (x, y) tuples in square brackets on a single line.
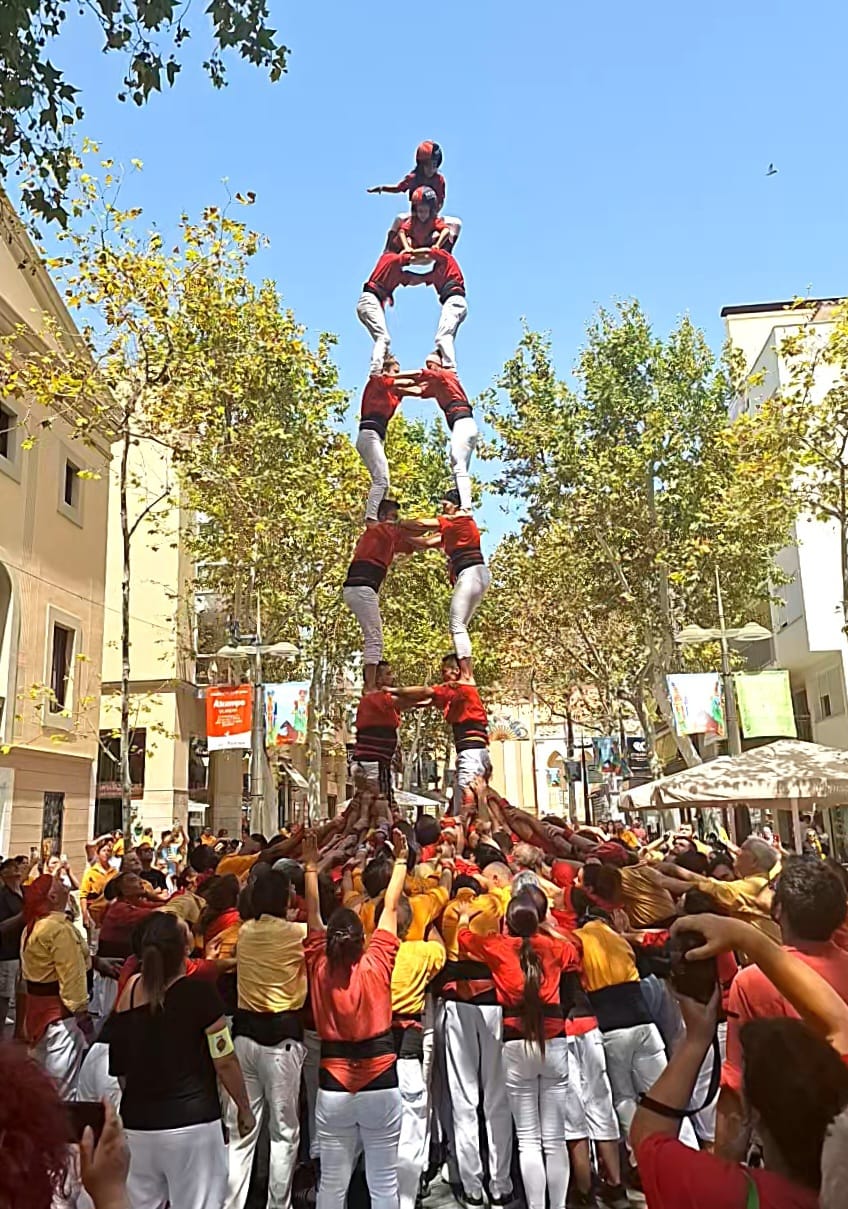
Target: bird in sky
[(772, 171)]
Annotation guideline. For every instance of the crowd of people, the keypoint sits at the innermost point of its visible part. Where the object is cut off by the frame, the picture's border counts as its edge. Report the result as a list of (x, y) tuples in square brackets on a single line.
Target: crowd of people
[(499, 1001)]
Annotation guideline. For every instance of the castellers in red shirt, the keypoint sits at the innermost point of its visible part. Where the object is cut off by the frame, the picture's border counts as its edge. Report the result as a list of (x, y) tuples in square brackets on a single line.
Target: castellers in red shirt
[(445, 277), (388, 273), (380, 399), (436, 382), (428, 160)]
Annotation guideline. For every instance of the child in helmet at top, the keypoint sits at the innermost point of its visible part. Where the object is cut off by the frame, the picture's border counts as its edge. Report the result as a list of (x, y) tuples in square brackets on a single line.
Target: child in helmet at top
[(423, 228), (425, 174)]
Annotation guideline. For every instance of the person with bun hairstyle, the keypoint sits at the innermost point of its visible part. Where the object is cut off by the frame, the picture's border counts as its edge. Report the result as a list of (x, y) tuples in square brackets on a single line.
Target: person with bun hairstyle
[(428, 161), (527, 965), (169, 1044), (359, 1102)]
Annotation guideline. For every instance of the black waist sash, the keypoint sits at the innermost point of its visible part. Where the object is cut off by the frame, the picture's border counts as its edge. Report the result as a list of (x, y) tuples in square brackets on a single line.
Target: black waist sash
[(364, 574), (268, 1028), (469, 735)]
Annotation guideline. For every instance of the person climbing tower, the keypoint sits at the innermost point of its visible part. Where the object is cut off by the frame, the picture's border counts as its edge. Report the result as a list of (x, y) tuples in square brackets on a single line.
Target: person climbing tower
[(389, 272), (380, 401), (443, 385), (447, 280), (428, 161)]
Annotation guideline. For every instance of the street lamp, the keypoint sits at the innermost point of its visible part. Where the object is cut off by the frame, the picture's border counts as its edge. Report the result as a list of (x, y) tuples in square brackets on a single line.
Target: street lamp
[(255, 650), (692, 635)]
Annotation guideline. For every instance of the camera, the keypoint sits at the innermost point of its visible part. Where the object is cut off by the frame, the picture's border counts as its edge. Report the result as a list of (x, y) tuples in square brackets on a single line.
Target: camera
[(694, 979)]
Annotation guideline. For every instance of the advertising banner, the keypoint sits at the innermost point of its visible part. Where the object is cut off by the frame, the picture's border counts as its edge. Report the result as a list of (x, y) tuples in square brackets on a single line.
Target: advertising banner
[(698, 703), (286, 713), (229, 717), (764, 700)]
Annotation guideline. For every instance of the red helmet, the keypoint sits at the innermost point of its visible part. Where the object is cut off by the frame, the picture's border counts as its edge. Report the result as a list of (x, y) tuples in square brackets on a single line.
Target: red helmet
[(429, 151), (423, 196)]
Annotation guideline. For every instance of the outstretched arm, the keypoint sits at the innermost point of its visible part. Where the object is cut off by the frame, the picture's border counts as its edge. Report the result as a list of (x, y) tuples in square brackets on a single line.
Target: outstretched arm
[(314, 922), (409, 697), (394, 890), (386, 189), (425, 525)]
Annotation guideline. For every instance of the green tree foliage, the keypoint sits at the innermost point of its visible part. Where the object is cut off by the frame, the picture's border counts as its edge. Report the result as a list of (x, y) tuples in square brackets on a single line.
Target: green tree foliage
[(39, 107), (636, 487)]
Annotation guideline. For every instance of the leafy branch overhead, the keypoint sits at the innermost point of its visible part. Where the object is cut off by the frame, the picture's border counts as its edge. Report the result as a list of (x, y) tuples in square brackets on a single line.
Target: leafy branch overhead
[(39, 106)]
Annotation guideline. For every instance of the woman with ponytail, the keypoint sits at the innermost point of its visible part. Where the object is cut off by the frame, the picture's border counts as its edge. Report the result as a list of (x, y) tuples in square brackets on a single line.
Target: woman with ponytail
[(527, 965), (359, 1103), (169, 1045)]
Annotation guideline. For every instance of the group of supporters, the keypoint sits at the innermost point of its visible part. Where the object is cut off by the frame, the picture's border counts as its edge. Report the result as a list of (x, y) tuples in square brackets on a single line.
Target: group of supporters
[(485, 998)]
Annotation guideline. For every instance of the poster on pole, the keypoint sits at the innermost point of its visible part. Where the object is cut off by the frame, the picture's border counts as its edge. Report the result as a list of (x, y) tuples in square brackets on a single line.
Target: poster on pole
[(697, 703), (229, 717), (286, 713), (764, 700)]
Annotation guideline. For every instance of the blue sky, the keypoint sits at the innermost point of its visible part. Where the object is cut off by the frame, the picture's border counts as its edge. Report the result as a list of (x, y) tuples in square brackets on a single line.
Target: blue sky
[(594, 151)]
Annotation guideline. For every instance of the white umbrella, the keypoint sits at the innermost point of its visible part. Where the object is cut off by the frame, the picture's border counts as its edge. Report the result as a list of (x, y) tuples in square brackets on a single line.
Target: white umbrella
[(785, 774)]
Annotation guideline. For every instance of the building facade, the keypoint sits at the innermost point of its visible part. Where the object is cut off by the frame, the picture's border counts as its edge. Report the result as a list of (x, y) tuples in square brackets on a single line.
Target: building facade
[(807, 620), (53, 528)]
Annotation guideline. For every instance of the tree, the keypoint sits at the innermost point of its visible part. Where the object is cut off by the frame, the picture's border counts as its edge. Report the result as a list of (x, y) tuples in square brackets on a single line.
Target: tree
[(638, 485), (39, 107)]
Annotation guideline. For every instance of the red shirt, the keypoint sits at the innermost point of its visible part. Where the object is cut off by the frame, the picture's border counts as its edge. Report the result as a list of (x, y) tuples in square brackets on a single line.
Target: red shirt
[(355, 1007), (421, 233), (388, 273), (459, 703), (119, 920), (753, 997), (377, 722), (565, 876), (445, 276), (376, 548), (500, 953), (459, 533), (444, 386), (380, 401), (675, 1177), (417, 180)]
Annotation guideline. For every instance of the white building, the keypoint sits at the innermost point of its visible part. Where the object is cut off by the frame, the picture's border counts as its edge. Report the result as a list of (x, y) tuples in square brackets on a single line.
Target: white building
[(808, 622)]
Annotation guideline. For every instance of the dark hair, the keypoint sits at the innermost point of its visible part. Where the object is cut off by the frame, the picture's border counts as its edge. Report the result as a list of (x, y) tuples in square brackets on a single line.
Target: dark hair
[(464, 881), (163, 950), (259, 838), (328, 899), (221, 894), (203, 859), (345, 940), (539, 899), (115, 886), (270, 895), (427, 830), (386, 506), (503, 840), (404, 916), (698, 902), (9, 863), (108, 840), (811, 898), (487, 853), (450, 657), (693, 860), (522, 919), (383, 662), (797, 1083), (720, 857), (605, 880), (376, 875), (451, 495), (585, 909)]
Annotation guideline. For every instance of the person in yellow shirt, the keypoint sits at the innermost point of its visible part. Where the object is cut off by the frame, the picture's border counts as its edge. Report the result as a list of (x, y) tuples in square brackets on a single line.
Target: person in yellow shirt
[(416, 964), (426, 904), (268, 1037), (749, 896), (93, 883), (54, 964)]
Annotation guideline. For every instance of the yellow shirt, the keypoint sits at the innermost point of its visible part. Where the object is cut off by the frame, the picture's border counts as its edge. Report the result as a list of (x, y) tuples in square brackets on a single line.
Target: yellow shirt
[(425, 908), (747, 898), (416, 963), (270, 965), (239, 865), (645, 901), (485, 912), (54, 951), (185, 906), (607, 957), (92, 886), (118, 847)]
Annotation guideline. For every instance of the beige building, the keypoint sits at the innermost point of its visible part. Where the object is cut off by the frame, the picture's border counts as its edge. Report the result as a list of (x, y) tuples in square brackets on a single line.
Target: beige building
[(52, 578)]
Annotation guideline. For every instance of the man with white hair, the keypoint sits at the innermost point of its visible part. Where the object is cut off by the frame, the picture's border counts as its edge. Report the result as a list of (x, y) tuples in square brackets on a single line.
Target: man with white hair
[(749, 896)]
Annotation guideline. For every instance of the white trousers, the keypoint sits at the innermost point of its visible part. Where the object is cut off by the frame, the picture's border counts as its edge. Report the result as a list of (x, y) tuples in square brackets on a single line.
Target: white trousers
[(364, 603), (463, 441), (184, 1168), (471, 586), (475, 762), (95, 1082), (345, 1120), (453, 313), (370, 312), (590, 1112), (104, 993), (60, 1052), (635, 1060), (537, 1088), (474, 1055), (370, 447), (455, 224), (412, 1146), (272, 1078)]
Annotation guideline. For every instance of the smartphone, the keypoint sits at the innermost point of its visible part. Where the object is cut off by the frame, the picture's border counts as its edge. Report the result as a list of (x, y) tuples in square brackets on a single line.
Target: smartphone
[(83, 1113), (695, 979)]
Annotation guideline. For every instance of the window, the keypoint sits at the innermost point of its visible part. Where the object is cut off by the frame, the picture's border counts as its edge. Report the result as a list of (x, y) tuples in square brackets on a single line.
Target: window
[(51, 824), (8, 426), (62, 651), (830, 694), (71, 488)]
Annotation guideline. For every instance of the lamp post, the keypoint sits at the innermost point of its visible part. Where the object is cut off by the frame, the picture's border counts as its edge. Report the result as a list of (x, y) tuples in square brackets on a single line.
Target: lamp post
[(255, 650), (693, 635)]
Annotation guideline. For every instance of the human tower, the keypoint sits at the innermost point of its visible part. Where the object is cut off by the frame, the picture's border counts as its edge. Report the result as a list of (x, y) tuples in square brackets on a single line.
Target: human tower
[(418, 251)]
